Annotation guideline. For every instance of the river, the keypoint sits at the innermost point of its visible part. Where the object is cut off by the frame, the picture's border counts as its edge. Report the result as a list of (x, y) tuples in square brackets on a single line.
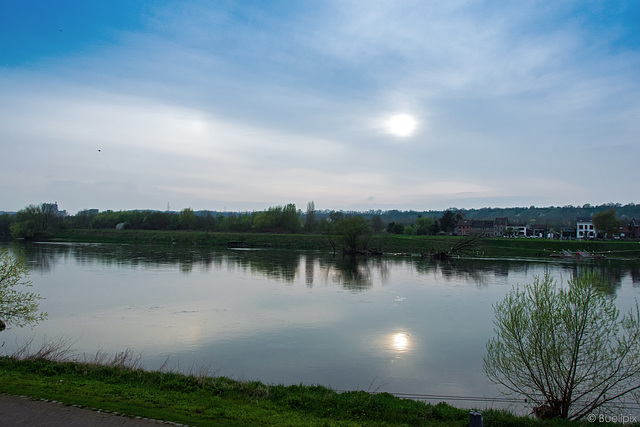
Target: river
[(396, 324)]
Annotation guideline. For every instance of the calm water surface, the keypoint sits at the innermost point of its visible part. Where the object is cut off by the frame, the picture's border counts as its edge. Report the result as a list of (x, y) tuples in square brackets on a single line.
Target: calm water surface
[(401, 325)]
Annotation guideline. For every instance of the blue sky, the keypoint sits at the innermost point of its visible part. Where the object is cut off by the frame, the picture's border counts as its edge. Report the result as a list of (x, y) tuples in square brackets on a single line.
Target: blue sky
[(243, 105)]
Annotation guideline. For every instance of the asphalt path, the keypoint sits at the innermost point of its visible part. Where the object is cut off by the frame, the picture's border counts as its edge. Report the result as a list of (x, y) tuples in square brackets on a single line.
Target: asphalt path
[(23, 411)]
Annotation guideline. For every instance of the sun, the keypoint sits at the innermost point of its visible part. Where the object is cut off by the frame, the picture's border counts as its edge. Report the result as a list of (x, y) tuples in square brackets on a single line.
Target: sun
[(402, 125)]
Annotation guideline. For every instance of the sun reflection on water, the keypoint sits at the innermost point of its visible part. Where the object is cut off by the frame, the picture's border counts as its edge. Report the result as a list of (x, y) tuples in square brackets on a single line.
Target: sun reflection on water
[(400, 342)]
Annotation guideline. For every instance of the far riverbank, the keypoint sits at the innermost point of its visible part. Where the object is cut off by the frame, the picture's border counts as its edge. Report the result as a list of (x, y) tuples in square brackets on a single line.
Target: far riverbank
[(385, 243)]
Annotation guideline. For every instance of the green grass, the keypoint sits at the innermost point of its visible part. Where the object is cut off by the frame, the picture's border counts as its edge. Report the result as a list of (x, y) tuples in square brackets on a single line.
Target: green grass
[(212, 401), (387, 243), (194, 238)]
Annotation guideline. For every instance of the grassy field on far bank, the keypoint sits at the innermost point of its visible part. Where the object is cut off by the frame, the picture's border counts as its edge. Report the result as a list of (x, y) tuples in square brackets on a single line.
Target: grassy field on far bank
[(387, 243), (199, 400)]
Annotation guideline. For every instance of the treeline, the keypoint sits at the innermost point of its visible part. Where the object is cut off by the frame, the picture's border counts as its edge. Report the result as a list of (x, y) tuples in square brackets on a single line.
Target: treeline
[(36, 221), (557, 216), (279, 219)]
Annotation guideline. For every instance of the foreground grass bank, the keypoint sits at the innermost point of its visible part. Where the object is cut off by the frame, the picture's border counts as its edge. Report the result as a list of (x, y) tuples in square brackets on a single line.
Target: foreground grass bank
[(387, 243), (207, 401)]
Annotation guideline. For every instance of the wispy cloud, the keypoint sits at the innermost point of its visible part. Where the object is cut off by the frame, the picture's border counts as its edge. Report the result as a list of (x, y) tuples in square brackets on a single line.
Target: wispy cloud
[(255, 104)]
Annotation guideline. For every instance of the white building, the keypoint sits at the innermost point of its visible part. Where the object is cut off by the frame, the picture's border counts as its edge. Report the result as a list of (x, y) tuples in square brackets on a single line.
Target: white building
[(585, 228)]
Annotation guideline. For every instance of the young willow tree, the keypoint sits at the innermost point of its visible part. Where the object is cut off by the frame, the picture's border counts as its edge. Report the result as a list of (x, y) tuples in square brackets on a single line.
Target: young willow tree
[(565, 349), (17, 307)]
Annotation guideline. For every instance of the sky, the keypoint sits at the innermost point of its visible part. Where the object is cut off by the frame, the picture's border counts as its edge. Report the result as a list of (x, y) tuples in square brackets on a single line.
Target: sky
[(354, 105)]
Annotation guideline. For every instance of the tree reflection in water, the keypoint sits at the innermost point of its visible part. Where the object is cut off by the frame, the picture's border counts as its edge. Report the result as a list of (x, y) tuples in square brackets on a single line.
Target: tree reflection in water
[(353, 273)]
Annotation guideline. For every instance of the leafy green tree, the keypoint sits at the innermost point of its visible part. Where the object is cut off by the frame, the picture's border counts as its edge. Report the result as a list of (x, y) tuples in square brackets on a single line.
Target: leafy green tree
[(82, 219), (106, 219), (409, 231), (187, 219), (354, 232), (158, 221), (323, 226), (136, 219), (17, 307), (290, 219), (377, 224), (449, 220), (27, 223), (565, 349), (206, 221), (435, 229), (261, 221), (606, 223), (395, 228), (277, 219), (6, 221), (238, 222), (424, 226), (310, 218), (34, 221), (336, 216)]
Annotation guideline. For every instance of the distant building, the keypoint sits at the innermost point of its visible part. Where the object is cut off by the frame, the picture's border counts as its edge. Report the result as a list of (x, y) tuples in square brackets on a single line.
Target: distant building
[(485, 228), (624, 232), (52, 209), (585, 228), (500, 226), (517, 230), (539, 230), (567, 233), (463, 228)]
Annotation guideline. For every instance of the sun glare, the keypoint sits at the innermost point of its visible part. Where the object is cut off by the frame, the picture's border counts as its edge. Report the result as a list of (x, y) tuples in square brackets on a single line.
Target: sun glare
[(400, 342), (402, 125)]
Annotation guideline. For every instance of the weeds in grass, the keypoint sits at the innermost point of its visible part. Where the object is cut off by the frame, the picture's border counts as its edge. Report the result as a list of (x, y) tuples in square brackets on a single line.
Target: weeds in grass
[(58, 349), (122, 359)]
